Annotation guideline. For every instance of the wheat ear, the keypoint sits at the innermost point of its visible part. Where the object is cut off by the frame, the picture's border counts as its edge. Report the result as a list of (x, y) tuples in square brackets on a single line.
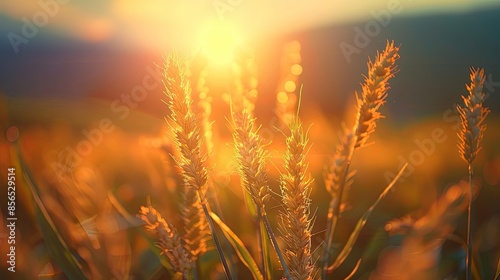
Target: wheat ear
[(184, 124), (190, 159), (472, 115), (295, 189), (188, 140), (242, 104), (374, 92), (169, 241), (196, 231), (372, 97), (251, 158), (252, 161)]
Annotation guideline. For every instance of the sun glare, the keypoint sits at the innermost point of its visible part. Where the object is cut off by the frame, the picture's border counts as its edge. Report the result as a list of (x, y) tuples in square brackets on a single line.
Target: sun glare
[(219, 41)]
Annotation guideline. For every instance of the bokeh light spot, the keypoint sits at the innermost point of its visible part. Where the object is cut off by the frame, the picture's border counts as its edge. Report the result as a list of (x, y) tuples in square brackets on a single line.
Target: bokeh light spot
[(296, 69), (12, 133), (290, 86), (282, 97)]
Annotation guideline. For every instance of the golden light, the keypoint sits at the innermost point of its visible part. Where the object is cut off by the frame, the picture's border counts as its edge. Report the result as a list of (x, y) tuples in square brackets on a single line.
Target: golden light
[(253, 93), (219, 41), (282, 97), (290, 86), (296, 69)]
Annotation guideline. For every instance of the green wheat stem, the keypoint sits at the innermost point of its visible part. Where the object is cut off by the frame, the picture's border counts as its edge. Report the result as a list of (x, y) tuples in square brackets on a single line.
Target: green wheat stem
[(272, 237), (263, 249), (216, 239)]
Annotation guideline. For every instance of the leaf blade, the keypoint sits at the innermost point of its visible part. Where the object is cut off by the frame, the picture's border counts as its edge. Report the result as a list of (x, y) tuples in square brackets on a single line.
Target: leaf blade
[(239, 247), (497, 274), (361, 223), (56, 245)]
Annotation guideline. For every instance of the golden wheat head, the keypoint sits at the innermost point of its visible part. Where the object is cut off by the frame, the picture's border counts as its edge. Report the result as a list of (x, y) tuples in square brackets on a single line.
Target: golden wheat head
[(472, 115), (374, 92), (373, 95), (184, 124), (190, 160), (295, 189), (251, 157), (169, 240)]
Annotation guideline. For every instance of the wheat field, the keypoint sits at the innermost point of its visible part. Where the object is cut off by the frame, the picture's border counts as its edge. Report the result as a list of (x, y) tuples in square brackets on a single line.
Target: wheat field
[(216, 191)]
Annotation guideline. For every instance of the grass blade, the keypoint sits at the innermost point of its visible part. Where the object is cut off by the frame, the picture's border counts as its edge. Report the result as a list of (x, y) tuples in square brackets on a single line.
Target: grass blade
[(354, 270), (239, 247), (55, 244), (265, 250), (216, 240), (275, 244), (497, 274), (361, 223)]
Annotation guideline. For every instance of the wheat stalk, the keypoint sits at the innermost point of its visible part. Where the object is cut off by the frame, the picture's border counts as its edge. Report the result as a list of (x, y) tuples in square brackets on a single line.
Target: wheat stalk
[(374, 92), (187, 135), (252, 161), (191, 160), (472, 116), (196, 231), (335, 169), (169, 241), (242, 104), (372, 97), (295, 190), (251, 158)]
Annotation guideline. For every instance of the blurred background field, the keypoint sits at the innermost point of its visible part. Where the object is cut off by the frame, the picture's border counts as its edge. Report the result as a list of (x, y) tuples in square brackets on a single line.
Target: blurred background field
[(75, 72)]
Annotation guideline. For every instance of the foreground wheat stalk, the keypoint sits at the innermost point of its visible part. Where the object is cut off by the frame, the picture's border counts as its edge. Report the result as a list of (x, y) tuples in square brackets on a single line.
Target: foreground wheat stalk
[(188, 140), (252, 161), (373, 95), (295, 190), (472, 115)]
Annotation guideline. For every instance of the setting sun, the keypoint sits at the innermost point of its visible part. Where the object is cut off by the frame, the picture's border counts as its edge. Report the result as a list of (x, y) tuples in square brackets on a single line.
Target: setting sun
[(219, 41)]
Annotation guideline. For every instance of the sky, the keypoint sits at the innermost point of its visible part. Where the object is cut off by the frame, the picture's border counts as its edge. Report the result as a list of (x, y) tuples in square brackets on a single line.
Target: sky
[(165, 24)]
